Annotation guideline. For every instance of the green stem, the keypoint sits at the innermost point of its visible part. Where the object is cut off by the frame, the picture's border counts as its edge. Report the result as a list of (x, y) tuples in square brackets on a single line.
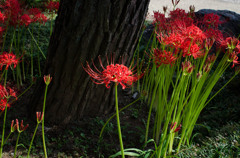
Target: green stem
[(37, 44), (118, 121), (5, 79), (51, 25), (32, 59), (151, 105), (29, 149), (16, 145), (43, 136), (39, 66), (4, 122), (4, 40), (7, 138)]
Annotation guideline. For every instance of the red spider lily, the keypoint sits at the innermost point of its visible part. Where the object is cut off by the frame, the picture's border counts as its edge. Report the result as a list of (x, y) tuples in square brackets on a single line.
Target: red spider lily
[(177, 19), (195, 33), (25, 20), (37, 16), (211, 20), (47, 79), (230, 43), (214, 34), (160, 21), (163, 57), (3, 104), (8, 59), (41, 18), (52, 6), (189, 48), (39, 116), (173, 40), (187, 67), (12, 11), (117, 73), (237, 48), (178, 14), (34, 11), (234, 58), (5, 94), (2, 17)]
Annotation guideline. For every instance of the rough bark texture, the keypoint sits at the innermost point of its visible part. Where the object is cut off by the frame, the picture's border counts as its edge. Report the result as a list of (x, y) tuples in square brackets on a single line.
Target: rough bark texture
[(85, 29)]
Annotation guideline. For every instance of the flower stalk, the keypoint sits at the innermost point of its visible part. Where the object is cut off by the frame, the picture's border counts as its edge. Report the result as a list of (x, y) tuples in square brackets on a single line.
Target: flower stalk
[(118, 121), (3, 131), (47, 80)]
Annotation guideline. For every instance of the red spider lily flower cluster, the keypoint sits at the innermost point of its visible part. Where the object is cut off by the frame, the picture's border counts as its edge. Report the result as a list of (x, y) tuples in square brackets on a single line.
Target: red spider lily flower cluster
[(182, 32), (234, 58), (17, 16), (52, 6), (12, 11), (117, 73), (212, 20), (25, 20), (2, 17), (37, 16), (231, 45), (8, 59), (163, 57), (5, 94)]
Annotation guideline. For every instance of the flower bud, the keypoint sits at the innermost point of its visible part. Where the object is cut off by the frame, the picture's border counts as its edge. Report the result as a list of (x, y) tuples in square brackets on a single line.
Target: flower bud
[(187, 68), (47, 79), (173, 126), (13, 127), (192, 8), (22, 127), (165, 9), (39, 117)]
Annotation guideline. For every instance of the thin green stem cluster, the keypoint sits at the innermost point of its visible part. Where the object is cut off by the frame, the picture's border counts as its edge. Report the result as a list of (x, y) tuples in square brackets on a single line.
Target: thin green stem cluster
[(178, 98)]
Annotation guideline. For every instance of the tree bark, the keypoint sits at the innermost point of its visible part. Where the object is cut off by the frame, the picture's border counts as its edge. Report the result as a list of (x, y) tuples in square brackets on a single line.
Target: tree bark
[(85, 29)]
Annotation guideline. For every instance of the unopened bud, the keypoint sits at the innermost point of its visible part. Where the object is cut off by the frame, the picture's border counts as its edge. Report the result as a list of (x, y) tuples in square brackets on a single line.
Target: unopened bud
[(187, 67), (39, 117), (47, 79), (165, 9)]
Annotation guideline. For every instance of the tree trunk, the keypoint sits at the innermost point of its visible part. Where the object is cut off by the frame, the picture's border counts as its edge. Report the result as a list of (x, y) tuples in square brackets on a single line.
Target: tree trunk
[(85, 29)]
